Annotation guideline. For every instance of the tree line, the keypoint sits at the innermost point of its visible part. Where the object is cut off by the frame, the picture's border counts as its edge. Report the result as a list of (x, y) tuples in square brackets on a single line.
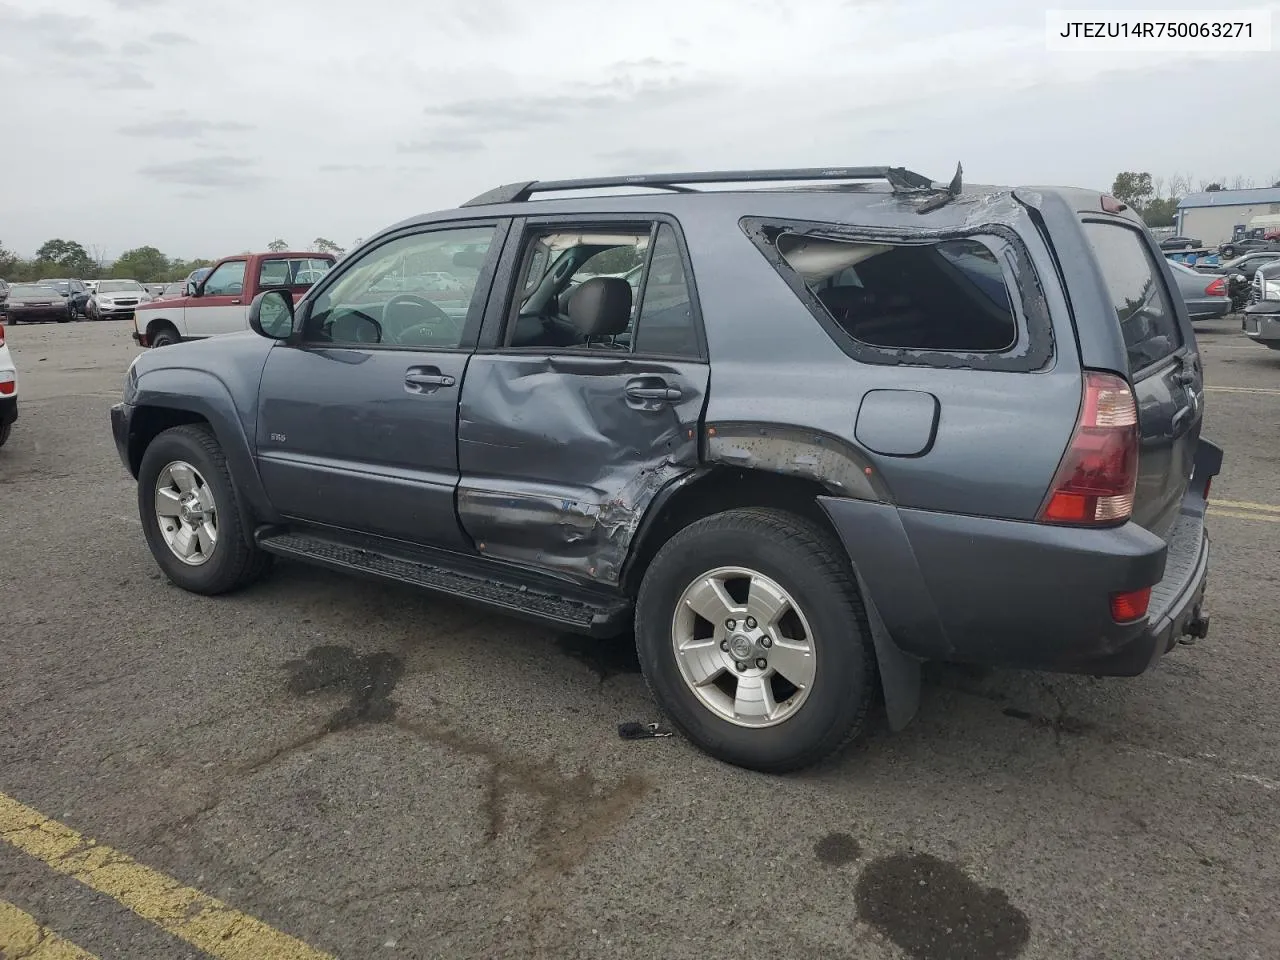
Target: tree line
[(1156, 198), (68, 258)]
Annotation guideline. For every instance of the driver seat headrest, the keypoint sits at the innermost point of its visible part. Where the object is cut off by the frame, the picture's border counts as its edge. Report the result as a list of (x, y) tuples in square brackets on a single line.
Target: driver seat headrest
[(601, 307)]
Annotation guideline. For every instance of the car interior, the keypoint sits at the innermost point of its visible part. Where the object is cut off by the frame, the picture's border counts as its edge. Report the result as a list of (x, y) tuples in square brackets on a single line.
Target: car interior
[(947, 295)]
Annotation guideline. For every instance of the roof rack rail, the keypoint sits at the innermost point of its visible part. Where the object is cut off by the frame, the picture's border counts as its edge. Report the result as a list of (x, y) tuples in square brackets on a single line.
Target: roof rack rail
[(899, 178)]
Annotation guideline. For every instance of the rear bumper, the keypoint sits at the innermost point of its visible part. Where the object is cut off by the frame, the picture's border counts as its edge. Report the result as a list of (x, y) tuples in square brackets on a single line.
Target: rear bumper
[(1208, 308), (1014, 594), (121, 423)]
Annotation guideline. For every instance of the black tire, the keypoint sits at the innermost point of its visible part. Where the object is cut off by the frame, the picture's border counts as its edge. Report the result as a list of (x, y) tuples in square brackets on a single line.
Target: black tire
[(805, 561), (236, 560), (5, 430), (164, 337), (1228, 252)]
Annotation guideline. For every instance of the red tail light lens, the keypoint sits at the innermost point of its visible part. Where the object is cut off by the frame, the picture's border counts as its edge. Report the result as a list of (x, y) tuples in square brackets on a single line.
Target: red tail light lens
[(1096, 480), (1217, 289), (1127, 607), (1, 334), (7, 388)]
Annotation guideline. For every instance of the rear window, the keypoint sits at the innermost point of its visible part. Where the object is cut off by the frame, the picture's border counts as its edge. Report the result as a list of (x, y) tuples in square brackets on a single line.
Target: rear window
[(1146, 317), (945, 296), (299, 272)]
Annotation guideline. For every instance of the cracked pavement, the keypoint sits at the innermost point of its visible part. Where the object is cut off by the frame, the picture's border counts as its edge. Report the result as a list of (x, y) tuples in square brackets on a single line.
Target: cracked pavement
[(380, 773)]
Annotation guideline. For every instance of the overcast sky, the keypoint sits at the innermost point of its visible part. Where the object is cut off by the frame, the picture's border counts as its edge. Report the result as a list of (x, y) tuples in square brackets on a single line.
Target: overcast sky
[(208, 129)]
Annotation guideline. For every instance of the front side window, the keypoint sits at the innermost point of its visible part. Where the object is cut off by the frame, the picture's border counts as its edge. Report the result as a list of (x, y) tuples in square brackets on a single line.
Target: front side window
[(1142, 308), (226, 281), (413, 292)]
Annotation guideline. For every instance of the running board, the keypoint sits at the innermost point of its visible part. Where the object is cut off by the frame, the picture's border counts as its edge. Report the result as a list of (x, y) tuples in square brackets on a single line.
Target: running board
[(602, 616)]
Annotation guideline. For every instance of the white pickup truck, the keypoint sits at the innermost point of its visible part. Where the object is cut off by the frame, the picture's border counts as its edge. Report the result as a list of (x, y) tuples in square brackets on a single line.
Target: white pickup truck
[(220, 302)]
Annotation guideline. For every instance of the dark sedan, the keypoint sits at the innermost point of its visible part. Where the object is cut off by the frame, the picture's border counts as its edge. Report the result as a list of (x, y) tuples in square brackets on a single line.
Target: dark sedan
[(75, 291), (30, 302), (1180, 243)]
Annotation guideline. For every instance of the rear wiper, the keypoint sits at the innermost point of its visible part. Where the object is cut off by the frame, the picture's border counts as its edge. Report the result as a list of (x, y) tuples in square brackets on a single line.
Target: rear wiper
[(942, 198)]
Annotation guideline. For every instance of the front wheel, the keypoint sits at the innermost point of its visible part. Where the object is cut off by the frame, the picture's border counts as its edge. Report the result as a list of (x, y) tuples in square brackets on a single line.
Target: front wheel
[(164, 337), (189, 513), (754, 640), (1228, 252)]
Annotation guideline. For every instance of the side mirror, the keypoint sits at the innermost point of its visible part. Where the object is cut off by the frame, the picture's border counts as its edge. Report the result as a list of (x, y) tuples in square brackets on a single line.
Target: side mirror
[(271, 314), (192, 289)]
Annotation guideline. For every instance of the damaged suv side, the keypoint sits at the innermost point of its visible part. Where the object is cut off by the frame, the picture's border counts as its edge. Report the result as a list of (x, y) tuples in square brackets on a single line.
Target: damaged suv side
[(799, 440)]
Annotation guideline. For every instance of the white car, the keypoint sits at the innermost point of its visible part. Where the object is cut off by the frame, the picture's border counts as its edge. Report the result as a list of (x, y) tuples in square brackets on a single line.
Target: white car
[(116, 298), (8, 390)]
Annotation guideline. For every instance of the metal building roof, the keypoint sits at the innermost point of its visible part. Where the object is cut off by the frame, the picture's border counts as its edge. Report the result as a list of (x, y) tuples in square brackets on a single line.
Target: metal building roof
[(1230, 198)]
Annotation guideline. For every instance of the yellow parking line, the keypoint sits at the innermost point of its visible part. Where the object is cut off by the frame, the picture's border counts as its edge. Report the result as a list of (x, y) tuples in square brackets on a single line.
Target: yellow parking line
[(1267, 391), (1244, 505), (202, 921), (1242, 515), (22, 936)]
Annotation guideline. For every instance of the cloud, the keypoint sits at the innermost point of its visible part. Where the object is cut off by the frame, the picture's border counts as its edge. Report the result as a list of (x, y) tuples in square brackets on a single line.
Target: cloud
[(184, 128), (441, 145), (168, 38), (127, 78), (137, 4), (639, 158), (620, 93), (206, 172), (350, 168), (135, 48)]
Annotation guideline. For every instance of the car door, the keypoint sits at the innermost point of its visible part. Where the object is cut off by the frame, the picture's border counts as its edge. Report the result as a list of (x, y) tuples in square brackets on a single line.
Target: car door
[(564, 440), (357, 421), (220, 307)]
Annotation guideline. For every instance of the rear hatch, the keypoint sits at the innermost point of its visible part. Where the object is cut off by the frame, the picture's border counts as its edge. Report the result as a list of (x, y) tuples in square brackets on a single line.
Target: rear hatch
[(1164, 366)]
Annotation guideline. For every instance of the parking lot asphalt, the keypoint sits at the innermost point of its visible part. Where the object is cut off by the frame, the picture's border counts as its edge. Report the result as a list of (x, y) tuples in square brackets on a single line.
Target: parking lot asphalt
[(329, 767)]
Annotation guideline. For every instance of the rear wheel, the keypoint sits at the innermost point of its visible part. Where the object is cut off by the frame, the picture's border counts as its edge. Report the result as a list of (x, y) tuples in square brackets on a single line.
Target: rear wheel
[(1228, 252), (190, 516), (5, 430), (753, 639)]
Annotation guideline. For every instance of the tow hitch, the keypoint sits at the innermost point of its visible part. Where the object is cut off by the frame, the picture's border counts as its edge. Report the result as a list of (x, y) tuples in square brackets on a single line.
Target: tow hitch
[(1197, 628)]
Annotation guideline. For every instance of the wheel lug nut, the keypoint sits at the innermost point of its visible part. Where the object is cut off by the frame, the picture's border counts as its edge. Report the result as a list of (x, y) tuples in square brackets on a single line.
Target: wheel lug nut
[(766, 642), (751, 623), (731, 624), (724, 645), (741, 666), (761, 662)]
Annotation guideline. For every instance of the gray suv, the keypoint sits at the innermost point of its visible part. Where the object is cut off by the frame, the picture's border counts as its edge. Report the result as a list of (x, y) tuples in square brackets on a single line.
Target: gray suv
[(839, 427)]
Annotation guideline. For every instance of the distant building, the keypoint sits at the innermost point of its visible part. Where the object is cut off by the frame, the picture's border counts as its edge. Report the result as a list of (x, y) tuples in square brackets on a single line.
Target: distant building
[(1211, 216)]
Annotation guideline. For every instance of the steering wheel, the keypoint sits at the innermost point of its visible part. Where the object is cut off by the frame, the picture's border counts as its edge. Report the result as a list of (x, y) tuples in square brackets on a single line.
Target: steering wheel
[(439, 328)]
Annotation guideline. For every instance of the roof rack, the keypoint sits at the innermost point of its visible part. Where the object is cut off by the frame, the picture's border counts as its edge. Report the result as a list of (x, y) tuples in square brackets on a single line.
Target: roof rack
[(899, 178)]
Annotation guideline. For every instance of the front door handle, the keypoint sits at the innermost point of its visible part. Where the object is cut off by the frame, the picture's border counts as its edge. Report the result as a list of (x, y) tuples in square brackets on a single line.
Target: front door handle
[(637, 390), (235, 302)]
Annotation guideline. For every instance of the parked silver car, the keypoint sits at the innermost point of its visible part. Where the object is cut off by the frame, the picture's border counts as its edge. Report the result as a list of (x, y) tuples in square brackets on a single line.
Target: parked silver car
[(1205, 295)]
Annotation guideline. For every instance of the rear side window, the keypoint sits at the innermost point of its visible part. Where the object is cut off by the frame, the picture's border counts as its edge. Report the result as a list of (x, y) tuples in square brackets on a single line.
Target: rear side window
[(1147, 320)]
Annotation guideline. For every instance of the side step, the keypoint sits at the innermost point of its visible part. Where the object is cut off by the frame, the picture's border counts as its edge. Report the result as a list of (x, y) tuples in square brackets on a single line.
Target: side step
[(602, 616)]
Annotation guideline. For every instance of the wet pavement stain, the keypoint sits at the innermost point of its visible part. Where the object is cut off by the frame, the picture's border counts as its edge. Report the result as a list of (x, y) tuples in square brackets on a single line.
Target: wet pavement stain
[(605, 658), (837, 849), (934, 911), (367, 679)]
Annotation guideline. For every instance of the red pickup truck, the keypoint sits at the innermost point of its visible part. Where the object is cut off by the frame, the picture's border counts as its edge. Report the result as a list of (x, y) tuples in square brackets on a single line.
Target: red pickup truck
[(220, 302)]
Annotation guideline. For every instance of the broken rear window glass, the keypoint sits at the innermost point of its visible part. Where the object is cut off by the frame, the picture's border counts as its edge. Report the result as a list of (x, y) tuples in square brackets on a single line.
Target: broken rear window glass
[(950, 295)]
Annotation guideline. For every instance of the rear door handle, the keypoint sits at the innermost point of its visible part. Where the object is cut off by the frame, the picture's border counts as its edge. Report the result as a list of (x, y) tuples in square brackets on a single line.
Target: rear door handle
[(637, 391)]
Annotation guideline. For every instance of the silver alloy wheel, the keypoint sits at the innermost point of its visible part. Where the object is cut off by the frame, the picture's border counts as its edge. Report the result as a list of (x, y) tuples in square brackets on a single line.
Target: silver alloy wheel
[(752, 663), (186, 513)]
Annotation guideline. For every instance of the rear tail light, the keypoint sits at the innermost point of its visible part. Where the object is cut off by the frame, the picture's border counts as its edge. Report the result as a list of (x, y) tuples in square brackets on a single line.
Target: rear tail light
[(1217, 289), (1130, 606), (1096, 480), (1, 334), (7, 385)]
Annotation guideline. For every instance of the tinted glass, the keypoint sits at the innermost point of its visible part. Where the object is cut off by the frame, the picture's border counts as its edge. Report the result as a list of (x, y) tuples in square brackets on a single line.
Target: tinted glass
[(300, 272), (226, 281), (1146, 318), (35, 292), (414, 292), (666, 324)]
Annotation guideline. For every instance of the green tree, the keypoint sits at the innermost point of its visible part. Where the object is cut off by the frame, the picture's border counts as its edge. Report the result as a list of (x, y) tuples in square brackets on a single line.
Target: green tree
[(321, 245), (1133, 188), (9, 262), (1212, 187), (277, 246), (1161, 213), (145, 264), (64, 257), (179, 269)]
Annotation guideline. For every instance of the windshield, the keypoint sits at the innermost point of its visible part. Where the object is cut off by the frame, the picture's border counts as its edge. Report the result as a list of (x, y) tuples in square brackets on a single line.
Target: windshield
[(119, 286), (20, 290), (60, 285)]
